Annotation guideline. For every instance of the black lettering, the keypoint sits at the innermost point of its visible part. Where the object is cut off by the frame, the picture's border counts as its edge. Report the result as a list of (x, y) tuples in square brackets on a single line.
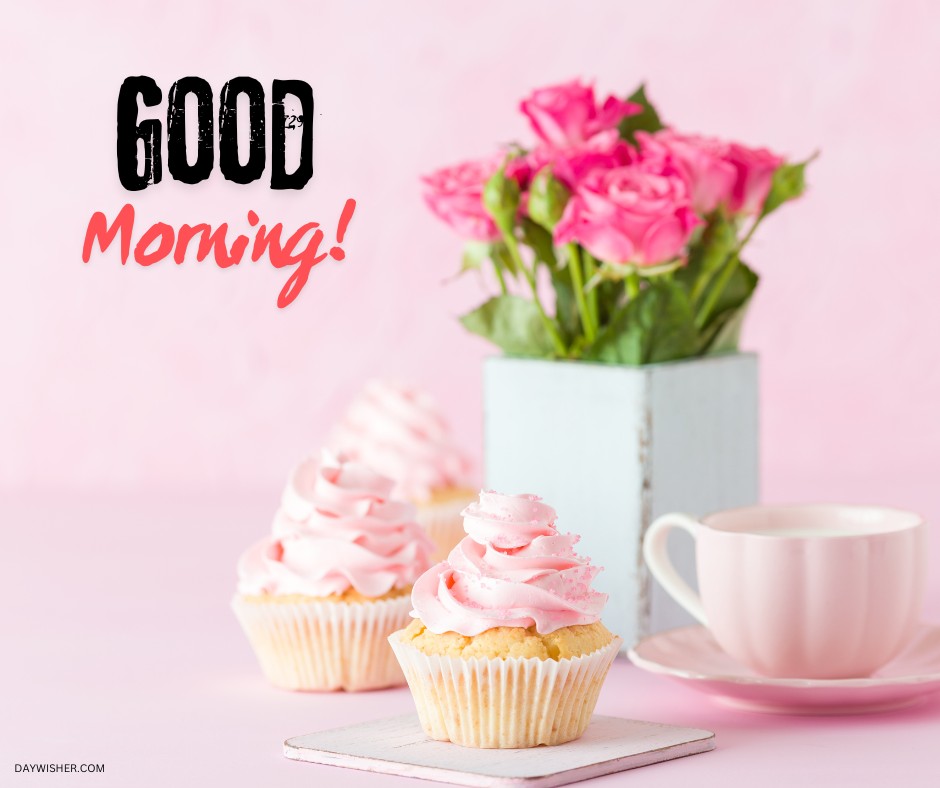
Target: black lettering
[(231, 168), (177, 161), (129, 131), (297, 179)]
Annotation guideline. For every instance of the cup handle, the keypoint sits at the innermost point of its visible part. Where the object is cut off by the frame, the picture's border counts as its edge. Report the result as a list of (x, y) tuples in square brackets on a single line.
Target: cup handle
[(657, 559)]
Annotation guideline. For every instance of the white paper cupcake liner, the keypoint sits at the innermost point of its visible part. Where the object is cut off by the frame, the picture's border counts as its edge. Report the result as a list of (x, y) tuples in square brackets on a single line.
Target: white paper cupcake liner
[(504, 703), (313, 645), (443, 523)]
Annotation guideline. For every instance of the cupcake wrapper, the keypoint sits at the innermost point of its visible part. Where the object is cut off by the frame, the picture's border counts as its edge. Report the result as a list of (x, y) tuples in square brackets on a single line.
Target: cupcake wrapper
[(443, 523), (325, 645), (504, 703)]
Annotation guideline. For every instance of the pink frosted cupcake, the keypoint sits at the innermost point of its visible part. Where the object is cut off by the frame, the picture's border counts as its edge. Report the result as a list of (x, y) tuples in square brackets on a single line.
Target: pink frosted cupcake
[(507, 648), (320, 596), (399, 430)]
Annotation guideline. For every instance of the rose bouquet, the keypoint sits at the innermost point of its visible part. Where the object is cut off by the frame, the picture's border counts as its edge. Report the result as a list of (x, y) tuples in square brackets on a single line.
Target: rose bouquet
[(639, 227)]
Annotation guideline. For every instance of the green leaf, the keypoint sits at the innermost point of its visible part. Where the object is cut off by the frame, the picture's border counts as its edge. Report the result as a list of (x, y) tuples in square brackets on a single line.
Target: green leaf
[(707, 256), (657, 325), (502, 259), (647, 120), (721, 332), (727, 331), (609, 295), (617, 272), (512, 324), (539, 240), (475, 253), (621, 341), (740, 288), (788, 183)]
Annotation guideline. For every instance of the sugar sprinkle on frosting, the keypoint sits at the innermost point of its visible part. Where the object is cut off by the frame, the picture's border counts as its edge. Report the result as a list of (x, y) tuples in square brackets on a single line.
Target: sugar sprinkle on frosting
[(513, 569), (337, 528)]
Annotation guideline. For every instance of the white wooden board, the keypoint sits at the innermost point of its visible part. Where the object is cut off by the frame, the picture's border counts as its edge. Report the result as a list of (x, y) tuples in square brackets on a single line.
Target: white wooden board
[(399, 746)]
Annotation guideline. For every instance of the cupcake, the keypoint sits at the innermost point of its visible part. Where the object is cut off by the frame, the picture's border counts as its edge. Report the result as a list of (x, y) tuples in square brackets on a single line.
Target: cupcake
[(506, 648), (398, 430), (319, 597)]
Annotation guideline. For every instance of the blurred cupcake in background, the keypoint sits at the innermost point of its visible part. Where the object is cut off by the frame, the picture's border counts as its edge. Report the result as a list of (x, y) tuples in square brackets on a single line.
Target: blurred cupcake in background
[(507, 648), (319, 597), (399, 431)]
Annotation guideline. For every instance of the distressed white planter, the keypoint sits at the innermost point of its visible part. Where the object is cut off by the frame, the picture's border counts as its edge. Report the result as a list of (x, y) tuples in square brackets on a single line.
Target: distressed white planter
[(613, 447)]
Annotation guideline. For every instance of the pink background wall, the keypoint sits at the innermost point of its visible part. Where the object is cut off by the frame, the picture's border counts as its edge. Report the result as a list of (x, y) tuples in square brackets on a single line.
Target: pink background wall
[(148, 417), (189, 377)]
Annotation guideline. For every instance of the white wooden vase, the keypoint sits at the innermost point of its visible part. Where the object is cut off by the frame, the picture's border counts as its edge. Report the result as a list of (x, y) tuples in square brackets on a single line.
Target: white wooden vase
[(613, 447)]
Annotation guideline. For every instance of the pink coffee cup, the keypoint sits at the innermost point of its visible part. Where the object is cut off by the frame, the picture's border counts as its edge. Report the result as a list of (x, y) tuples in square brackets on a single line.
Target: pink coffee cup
[(805, 591)]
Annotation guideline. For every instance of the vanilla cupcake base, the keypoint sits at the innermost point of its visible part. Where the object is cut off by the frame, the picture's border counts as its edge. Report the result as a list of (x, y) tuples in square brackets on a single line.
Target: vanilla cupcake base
[(504, 703), (311, 644), (441, 518)]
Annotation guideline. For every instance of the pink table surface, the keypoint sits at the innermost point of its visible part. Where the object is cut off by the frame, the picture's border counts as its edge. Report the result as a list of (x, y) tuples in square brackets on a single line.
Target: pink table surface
[(119, 648)]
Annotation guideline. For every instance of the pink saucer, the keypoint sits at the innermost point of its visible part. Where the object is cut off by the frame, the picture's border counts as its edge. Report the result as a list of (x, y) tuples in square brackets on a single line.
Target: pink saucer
[(692, 656)]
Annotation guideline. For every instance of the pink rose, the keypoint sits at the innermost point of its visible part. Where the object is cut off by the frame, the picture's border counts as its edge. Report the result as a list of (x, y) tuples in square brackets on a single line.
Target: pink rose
[(701, 161), (568, 114), (717, 172), (455, 195), (630, 215), (755, 171), (571, 165), (520, 168)]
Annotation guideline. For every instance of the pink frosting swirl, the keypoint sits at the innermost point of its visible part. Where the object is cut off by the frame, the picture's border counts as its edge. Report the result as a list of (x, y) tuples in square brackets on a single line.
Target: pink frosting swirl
[(337, 529), (398, 430), (513, 569)]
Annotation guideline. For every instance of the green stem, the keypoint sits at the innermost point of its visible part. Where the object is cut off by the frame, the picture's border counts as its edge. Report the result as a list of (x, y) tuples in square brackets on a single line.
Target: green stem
[(590, 268), (632, 283), (502, 280), (700, 284), (718, 286), (577, 282), (530, 277), (750, 232)]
